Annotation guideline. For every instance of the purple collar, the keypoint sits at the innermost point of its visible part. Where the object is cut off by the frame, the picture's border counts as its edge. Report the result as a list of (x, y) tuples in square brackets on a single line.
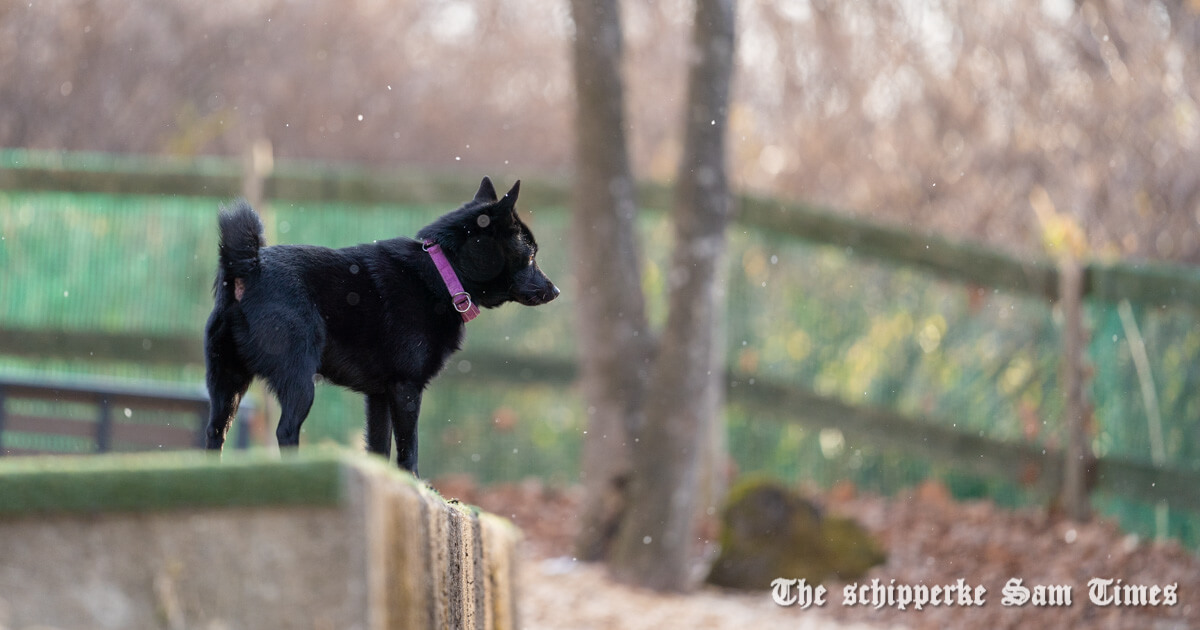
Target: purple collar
[(462, 299)]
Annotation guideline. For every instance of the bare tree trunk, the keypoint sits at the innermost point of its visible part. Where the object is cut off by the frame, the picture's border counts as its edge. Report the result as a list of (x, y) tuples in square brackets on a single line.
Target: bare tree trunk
[(614, 349), (655, 544)]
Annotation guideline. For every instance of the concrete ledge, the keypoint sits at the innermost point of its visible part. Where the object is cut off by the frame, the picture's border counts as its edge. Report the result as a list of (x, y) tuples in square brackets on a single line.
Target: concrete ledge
[(315, 539)]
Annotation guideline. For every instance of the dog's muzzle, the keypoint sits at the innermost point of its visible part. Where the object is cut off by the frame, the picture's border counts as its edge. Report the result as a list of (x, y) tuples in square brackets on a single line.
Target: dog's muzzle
[(538, 296)]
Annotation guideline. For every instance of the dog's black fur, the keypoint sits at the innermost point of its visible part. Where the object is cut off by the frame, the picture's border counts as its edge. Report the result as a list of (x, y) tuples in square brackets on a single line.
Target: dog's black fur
[(376, 318)]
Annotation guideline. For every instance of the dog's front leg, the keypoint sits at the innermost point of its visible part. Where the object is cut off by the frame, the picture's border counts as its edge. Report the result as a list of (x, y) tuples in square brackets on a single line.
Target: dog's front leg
[(379, 425), (405, 408)]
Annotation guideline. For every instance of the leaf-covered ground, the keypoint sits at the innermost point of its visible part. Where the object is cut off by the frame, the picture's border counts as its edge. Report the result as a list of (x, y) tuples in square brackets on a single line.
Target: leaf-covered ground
[(931, 540)]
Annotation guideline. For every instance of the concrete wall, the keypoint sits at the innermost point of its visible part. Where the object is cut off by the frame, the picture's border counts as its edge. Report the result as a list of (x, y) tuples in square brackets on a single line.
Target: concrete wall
[(315, 539)]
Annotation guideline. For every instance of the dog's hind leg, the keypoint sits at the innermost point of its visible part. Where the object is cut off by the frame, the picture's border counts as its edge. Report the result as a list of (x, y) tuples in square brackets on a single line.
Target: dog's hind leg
[(379, 425), (227, 379), (405, 408), (295, 396), (225, 391)]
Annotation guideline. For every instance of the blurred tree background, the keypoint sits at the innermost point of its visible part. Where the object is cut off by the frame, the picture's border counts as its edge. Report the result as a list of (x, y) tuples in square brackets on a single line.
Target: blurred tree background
[(936, 114)]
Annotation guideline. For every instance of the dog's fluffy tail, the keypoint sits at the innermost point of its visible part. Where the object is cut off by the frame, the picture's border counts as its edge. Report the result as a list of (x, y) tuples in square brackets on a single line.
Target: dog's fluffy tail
[(241, 238)]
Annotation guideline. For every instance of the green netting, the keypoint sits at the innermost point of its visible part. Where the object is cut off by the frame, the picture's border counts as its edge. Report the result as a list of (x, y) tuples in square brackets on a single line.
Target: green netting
[(973, 359)]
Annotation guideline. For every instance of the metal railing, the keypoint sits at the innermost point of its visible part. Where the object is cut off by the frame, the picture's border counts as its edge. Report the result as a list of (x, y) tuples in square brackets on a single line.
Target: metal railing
[(39, 416)]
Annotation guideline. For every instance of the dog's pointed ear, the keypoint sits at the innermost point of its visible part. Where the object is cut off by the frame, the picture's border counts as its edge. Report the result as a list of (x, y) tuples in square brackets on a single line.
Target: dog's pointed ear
[(487, 192), (513, 192), (508, 204), (505, 210)]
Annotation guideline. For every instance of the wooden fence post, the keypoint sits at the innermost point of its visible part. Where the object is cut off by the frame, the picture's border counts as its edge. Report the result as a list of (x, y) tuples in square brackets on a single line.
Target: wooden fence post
[(258, 160), (1079, 457)]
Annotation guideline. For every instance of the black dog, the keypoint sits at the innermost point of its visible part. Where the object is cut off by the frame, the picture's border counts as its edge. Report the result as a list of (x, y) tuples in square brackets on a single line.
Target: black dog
[(379, 318)]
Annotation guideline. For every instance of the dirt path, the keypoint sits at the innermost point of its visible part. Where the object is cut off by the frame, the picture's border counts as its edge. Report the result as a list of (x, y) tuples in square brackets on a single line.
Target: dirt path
[(558, 593), (930, 539)]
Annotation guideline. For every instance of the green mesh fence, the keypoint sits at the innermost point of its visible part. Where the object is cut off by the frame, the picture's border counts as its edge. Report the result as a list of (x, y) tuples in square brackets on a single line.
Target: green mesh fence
[(869, 334), (820, 318)]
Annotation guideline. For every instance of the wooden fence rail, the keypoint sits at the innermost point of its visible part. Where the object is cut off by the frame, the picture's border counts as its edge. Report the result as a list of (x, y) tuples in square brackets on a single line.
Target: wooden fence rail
[(1026, 465), (1153, 283)]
